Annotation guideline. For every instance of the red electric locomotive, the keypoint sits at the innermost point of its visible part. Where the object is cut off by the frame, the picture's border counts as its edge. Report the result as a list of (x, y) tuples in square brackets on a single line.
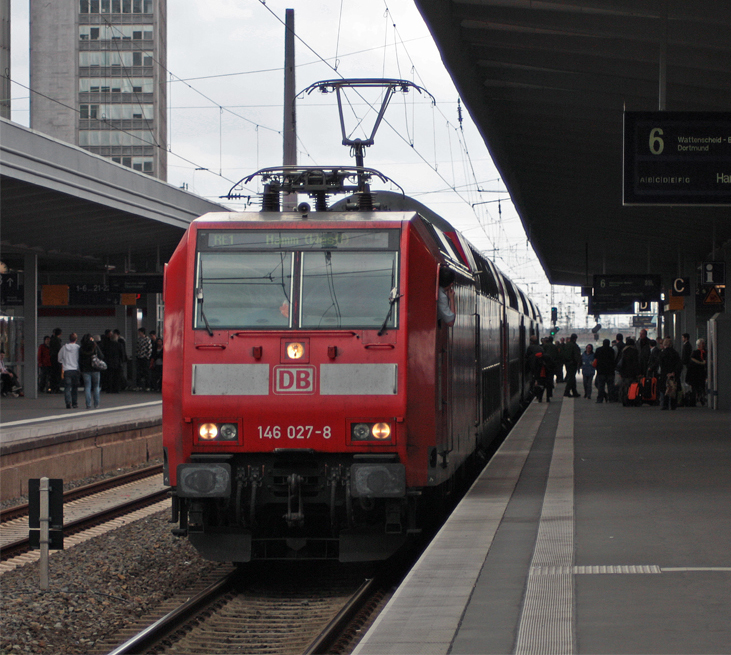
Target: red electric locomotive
[(314, 406)]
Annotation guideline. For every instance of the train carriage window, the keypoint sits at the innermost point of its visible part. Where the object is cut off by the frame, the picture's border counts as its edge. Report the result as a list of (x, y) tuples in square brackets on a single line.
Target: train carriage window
[(523, 303), (512, 295), (243, 290), (444, 243), (348, 289), (488, 283)]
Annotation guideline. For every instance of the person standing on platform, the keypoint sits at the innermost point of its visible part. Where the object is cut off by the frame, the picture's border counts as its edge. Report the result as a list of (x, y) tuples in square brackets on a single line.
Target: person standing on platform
[(115, 358), (123, 379), (572, 359), (103, 345), (68, 357), (643, 348), (8, 377), (45, 365), (144, 352), (157, 352), (697, 373), (670, 369), (685, 352), (92, 376), (549, 347), (559, 359), (629, 368), (55, 344), (653, 366), (604, 372), (587, 369)]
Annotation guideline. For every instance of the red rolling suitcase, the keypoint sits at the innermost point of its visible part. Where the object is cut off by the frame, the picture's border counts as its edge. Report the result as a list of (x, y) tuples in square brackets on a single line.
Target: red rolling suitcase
[(634, 394), (648, 390)]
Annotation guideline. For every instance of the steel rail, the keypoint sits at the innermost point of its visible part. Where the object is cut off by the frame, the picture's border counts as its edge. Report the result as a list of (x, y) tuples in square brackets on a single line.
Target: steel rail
[(322, 643), (175, 618), (69, 495), (15, 548)]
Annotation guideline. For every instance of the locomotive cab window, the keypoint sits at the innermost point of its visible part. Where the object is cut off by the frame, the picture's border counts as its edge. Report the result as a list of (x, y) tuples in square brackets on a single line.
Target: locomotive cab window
[(259, 279), (347, 289), (240, 290)]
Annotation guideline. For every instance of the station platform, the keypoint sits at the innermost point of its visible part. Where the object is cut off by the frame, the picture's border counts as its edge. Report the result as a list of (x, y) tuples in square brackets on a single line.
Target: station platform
[(31, 418), (40, 437), (596, 528)]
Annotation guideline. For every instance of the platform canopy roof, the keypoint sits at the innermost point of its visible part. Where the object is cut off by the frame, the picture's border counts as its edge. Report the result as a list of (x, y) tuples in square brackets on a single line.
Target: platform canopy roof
[(547, 83), (80, 211)]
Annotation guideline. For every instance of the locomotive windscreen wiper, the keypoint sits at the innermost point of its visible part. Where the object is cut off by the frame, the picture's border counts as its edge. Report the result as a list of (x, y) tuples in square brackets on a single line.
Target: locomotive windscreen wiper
[(199, 298), (393, 298)]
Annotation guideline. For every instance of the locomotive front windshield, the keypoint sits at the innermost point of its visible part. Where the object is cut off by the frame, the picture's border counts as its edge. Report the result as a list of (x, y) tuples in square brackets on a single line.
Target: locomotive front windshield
[(258, 279)]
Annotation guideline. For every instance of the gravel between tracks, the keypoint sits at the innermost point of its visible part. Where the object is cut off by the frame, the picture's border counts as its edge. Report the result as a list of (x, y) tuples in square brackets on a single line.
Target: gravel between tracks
[(95, 588)]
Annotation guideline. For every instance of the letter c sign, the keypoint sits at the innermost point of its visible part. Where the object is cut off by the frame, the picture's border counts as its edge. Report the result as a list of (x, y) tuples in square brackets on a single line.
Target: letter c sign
[(681, 286)]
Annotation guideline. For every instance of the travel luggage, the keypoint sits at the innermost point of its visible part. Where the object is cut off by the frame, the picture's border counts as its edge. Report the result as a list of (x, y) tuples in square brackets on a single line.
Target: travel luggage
[(634, 394), (648, 390)]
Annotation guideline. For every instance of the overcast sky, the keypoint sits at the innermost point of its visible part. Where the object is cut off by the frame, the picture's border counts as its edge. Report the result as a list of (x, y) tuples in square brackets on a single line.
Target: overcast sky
[(225, 63)]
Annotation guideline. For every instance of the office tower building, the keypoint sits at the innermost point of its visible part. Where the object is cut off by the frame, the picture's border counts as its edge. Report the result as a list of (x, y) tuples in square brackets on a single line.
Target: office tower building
[(5, 58), (98, 78)]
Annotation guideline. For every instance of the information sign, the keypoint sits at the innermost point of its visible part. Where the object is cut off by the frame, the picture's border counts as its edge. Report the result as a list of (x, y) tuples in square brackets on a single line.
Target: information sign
[(677, 158), (627, 288), (135, 283), (643, 321), (598, 306), (713, 273), (680, 286), (712, 296)]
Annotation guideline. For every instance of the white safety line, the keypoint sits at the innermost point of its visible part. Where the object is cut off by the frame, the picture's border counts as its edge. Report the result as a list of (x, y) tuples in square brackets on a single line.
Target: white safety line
[(547, 621)]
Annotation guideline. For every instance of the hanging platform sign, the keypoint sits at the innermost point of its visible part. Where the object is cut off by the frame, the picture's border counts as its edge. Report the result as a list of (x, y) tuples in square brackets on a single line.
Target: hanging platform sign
[(677, 158), (627, 288)]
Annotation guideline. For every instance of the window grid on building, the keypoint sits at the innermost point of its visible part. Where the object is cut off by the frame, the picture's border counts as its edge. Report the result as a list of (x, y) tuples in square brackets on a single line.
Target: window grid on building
[(116, 82)]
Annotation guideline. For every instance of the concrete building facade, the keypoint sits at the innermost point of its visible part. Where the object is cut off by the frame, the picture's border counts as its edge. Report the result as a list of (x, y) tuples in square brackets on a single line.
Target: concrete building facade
[(98, 78), (5, 59)]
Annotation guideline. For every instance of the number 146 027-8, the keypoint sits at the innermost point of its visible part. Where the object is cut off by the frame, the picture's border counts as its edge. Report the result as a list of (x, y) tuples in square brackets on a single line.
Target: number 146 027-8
[(292, 432)]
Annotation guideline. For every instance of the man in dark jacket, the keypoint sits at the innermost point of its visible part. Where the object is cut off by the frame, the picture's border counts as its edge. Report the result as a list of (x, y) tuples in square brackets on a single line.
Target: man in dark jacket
[(670, 368), (55, 346), (605, 371), (643, 347), (572, 358), (629, 368)]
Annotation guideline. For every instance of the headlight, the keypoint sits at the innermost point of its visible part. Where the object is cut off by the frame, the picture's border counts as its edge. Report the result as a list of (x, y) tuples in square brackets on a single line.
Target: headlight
[(381, 431), (218, 432), (361, 431), (374, 432), (295, 350)]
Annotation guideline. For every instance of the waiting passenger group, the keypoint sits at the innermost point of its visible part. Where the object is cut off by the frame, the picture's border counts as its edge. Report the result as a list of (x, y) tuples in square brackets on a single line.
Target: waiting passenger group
[(99, 362), (616, 366)]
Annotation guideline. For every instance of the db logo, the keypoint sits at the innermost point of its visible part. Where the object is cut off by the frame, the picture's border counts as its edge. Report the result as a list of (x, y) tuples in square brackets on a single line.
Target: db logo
[(294, 379)]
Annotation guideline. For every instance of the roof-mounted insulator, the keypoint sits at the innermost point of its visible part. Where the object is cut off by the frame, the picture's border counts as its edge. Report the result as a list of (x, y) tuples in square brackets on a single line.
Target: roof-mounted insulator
[(270, 198)]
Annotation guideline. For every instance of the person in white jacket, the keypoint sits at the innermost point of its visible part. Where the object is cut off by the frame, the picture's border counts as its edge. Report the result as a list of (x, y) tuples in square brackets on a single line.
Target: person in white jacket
[(68, 357)]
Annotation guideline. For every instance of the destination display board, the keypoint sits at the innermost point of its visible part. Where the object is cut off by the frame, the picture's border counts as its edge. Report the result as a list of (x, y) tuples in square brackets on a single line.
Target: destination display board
[(598, 307), (627, 288), (140, 283), (677, 158)]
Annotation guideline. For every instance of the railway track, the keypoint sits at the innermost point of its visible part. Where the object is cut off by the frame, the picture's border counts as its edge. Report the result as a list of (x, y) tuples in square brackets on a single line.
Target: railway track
[(89, 506), (285, 609), (12, 513)]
